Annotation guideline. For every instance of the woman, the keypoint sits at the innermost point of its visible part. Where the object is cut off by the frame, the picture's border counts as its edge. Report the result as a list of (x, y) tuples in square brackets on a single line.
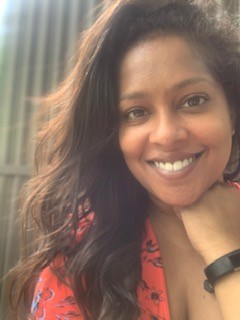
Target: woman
[(132, 200)]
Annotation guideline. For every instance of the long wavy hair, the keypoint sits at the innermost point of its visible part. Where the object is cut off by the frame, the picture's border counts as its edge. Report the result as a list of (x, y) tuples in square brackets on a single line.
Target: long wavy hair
[(79, 163)]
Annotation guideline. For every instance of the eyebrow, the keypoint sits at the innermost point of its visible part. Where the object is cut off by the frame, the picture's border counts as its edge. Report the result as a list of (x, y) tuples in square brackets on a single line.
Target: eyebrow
[(177, 86)]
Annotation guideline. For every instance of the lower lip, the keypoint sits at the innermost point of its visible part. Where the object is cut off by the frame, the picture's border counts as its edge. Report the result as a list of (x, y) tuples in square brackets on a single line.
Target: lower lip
[(172, 175)]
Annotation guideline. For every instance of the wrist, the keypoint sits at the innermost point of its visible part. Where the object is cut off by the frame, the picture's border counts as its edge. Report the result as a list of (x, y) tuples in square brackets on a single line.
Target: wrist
[(221, 267), (217, 252)]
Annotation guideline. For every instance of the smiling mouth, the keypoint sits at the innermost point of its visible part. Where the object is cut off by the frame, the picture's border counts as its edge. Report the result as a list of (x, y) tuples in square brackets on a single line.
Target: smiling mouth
[(176, 165)]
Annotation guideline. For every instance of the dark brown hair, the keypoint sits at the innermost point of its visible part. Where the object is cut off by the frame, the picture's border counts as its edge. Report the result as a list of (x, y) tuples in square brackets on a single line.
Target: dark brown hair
[(79, 163)]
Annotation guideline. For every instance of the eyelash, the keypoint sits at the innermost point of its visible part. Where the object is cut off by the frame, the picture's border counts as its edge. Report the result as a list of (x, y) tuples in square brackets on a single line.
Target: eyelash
[(129, 115), (196, 96), (130, 112)]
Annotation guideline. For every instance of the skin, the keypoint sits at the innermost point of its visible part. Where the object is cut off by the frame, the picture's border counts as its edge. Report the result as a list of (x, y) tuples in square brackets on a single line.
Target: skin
[(173, 109)]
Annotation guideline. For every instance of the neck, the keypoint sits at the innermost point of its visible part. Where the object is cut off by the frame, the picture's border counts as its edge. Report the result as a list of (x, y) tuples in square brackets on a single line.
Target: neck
[(168, 227)]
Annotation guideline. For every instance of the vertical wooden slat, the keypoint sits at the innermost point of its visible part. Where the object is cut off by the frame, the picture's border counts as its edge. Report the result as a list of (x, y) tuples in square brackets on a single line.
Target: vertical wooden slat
[(9, 66), (56, 44), (38, 47), (72, 30), (40, 38), (19, 110)]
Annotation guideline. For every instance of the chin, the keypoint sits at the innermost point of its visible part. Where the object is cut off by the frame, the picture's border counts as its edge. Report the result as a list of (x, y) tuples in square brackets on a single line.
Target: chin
[(181, 200)]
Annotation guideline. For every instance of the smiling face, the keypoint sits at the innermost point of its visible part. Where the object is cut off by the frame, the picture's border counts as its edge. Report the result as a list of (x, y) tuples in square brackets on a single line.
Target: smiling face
[(175, 128)]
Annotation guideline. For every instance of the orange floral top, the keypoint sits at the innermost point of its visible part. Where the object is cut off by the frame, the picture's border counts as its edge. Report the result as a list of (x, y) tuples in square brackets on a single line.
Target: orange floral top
[(54, 300)]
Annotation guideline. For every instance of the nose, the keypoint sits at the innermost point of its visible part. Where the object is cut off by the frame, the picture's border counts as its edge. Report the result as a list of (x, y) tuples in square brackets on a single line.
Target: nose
[(168, 130)]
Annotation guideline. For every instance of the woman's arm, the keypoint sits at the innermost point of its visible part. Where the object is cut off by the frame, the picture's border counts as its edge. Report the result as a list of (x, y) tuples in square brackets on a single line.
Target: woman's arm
[(213, 227), (227, 291)]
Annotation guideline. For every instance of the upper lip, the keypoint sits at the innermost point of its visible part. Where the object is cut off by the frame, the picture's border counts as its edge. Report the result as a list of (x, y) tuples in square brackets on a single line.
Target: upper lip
[(174, 157)]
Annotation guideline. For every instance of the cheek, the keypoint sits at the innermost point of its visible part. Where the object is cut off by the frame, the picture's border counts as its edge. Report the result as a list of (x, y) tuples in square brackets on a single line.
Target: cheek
[(217, 136), (131, 143)]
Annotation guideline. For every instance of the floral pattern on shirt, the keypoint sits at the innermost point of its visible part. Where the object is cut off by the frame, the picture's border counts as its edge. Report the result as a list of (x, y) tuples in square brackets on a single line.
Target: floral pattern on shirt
[(54, 300)]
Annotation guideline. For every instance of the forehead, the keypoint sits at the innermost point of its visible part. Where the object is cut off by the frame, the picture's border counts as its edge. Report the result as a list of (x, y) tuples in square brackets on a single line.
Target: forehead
[(162, 60)]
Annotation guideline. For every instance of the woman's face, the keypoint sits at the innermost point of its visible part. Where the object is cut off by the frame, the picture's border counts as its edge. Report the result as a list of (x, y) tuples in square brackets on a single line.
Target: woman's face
[(175, 130)]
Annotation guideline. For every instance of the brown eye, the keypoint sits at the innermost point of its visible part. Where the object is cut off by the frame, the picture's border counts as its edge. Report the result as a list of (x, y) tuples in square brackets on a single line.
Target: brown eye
[(135, 114), (195, 101)]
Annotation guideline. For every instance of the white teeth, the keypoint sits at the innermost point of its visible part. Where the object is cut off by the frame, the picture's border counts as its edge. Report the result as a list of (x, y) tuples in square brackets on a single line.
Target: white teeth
[(161, 165), (175, 166), (186, 162), (168, 166), (178, 165)]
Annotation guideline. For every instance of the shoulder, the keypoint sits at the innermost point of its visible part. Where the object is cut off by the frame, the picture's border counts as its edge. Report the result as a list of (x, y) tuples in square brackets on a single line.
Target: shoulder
[(53, 297)]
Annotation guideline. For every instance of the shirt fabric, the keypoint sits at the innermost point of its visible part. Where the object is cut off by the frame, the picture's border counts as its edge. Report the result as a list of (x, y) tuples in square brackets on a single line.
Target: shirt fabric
[(54, 300)]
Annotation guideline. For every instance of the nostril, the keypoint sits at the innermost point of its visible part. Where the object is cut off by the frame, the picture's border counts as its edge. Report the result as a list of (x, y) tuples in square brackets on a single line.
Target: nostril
[(167, 134)]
